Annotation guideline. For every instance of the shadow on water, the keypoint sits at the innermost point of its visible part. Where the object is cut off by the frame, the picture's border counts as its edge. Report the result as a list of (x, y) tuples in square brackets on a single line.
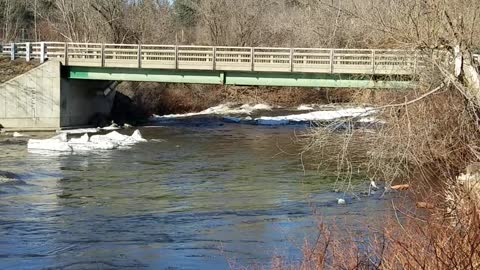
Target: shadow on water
[(194, 196)]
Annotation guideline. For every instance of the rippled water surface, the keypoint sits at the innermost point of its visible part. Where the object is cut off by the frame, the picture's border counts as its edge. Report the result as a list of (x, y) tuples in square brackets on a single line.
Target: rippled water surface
[(207, 196)]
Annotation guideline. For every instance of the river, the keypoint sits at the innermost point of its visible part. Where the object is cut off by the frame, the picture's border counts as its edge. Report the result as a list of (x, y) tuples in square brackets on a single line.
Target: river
[(198, 195)]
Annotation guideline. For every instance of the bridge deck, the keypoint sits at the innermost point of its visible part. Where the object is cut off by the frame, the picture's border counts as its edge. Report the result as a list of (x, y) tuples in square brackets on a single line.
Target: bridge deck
[(300, 60)]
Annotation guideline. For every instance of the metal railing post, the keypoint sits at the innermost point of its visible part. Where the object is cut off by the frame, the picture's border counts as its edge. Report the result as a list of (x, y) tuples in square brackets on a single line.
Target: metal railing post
[(42, 52), (28, 50), (252, 59), (12, 51), (176, 56), (139, 55), (102, 55), (291, 59), (65, 56), (214, 58), (331, 60)]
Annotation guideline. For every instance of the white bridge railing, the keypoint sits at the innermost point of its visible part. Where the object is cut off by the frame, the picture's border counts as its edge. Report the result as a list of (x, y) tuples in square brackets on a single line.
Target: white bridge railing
[(258, 59)]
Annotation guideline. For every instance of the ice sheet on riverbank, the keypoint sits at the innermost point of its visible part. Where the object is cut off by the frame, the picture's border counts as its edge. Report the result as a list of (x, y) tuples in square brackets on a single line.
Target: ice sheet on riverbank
[(223, 109), (262, 114), (305, 107), (331, 115), (110, 141)]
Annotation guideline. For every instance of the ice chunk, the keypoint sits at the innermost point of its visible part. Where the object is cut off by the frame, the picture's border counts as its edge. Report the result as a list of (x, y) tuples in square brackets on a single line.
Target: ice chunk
[(120, 139), (53, 144), (304, 107), (319, 115), (80, 131), (18, 135), (89, 146), (110, 141), (84, 144), (61, 137), (137, 136), (113, 126), (115, 136), (83, 139)]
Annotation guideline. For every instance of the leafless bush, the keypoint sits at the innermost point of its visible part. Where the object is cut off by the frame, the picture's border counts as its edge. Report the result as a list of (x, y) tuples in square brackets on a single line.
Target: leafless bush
[(412, 244)]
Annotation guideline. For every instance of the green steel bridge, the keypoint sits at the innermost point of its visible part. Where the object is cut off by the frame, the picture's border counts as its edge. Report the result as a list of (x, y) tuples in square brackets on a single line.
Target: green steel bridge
[(257, 66)]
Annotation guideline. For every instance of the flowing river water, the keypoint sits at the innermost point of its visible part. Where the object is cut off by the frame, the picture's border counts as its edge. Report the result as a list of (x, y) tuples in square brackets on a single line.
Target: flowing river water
[(209, 195)]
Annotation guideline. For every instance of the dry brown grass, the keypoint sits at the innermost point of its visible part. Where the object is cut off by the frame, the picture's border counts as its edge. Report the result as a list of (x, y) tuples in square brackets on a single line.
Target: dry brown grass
[(11, 69)]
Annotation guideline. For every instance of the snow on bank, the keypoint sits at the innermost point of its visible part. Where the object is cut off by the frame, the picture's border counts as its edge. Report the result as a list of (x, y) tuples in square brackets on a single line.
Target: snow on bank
[(317, 116), (110, 141), (222, 109)]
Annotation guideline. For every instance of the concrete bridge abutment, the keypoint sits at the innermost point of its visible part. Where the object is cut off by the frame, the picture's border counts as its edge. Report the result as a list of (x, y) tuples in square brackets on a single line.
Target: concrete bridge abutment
[(41, 99)]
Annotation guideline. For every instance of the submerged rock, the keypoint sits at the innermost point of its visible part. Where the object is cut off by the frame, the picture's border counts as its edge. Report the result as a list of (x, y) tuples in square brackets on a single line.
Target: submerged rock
[(9, 175)]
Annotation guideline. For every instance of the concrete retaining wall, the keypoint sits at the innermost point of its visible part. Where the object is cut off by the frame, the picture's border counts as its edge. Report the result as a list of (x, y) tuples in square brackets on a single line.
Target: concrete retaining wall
[(32, 100), (42, 99)]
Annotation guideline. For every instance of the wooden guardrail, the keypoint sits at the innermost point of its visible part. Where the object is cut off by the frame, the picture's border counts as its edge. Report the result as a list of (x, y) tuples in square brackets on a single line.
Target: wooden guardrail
[(258, 59)]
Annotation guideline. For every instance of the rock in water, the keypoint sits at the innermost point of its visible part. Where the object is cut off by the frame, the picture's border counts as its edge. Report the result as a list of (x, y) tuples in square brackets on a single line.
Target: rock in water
[(341, 201)]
